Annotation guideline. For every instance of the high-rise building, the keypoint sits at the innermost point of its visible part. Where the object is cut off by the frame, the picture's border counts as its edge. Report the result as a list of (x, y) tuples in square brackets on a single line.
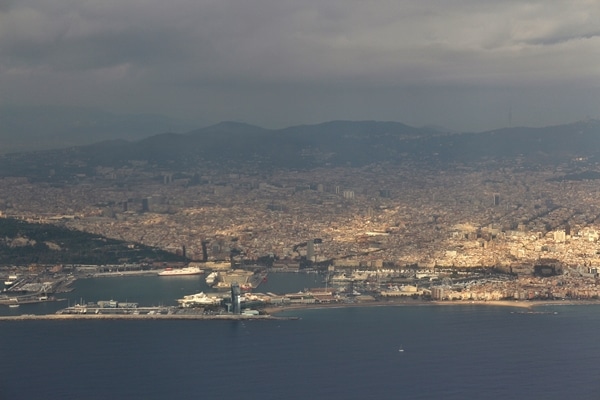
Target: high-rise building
[(310, 250), (370, 212), (560, 236), (204, 251), (236, 306), (146, 204)]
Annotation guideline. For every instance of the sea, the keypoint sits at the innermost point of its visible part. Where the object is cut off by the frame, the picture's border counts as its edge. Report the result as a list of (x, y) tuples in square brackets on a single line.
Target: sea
[(464, 351)]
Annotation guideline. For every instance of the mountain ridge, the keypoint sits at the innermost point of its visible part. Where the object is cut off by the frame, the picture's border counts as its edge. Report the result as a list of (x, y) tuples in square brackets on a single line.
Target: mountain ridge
[(334, 143)]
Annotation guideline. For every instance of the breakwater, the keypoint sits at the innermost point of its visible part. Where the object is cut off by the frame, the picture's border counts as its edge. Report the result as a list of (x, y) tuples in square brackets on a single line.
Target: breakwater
[(68, 317)]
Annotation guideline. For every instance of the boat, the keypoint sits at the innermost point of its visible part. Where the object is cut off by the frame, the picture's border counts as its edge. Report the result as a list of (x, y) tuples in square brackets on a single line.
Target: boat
[(222, 285), (198, 299), (13, 305), (246, 287), (11, 280), (401, 349), (210, 279), (181, 271)]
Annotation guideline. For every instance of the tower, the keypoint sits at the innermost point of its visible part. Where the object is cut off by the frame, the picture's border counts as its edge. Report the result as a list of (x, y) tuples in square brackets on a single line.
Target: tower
[(236, 307), (204, 251), (146, 204), (310, 250)]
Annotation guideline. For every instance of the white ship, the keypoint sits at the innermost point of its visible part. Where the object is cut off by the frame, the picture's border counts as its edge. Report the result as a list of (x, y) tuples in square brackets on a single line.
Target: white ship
[(181, 271), (12, 279), (210, 279), (198, 299)]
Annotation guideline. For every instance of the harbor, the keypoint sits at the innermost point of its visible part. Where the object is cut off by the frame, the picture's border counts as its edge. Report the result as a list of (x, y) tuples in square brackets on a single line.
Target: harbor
[(150, 296), (146, 289)]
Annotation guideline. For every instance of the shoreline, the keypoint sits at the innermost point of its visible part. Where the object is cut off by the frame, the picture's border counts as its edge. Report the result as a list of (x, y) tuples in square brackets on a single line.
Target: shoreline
[(521, 304), (272, 311)]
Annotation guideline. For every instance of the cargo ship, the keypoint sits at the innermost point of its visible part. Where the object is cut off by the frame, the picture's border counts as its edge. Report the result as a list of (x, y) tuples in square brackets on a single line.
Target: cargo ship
[(181, 271)]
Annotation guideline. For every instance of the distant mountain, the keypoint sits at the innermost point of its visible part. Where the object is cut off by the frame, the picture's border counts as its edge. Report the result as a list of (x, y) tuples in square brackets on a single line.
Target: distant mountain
[(362, 142), (229, 127), (557, 142), (52, 127), (23, 243), (336, 143)]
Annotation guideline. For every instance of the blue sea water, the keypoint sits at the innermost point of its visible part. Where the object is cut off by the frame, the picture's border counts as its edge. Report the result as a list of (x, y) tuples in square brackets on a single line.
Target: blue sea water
[(450, 352)]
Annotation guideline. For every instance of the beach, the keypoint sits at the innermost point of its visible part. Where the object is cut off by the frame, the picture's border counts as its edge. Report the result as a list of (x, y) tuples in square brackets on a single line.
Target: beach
[(529, 305)]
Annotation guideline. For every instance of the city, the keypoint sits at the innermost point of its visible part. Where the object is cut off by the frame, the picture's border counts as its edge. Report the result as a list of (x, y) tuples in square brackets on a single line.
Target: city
[(534, 230)]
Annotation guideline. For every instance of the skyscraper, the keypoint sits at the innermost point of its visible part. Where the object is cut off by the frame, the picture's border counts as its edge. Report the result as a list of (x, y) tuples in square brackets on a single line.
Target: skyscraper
[(236, 307), (310, 250), (496, 199)]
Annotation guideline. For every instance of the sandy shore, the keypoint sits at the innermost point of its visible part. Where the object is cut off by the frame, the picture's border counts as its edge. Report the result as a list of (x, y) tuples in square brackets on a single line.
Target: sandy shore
[(528, 305)]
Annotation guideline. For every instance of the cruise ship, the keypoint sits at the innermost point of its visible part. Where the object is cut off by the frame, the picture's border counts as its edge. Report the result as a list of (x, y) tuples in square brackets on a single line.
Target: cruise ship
[(181, 271), (199, 299)]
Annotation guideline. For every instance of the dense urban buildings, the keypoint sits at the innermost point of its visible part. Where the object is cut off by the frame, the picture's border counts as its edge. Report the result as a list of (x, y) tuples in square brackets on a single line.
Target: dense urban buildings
[(398, 215)]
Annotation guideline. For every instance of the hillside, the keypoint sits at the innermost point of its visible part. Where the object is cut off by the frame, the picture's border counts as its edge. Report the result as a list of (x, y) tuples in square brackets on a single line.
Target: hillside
[(23, 243)]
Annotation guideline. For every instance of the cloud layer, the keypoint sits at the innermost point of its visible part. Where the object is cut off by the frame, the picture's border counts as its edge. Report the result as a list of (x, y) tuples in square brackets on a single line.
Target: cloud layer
[(278, 62)]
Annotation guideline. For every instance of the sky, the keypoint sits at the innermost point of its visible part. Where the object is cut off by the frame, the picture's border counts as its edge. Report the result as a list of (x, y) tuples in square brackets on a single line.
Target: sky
[(467, 65)]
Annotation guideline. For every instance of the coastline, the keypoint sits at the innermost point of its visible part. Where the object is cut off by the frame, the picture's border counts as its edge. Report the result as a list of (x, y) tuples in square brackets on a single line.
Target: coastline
[(521, 304), (271, 313)]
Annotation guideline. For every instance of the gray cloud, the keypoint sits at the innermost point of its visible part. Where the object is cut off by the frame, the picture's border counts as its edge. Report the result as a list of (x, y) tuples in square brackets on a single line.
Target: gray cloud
[(201, 58)]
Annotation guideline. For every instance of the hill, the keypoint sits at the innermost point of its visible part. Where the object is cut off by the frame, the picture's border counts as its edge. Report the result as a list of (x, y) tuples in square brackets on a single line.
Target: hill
[(23, 243)]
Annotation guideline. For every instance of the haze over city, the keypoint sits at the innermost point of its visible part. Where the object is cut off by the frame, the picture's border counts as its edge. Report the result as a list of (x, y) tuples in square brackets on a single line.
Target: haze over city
[(466, 65), (299, 199)]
